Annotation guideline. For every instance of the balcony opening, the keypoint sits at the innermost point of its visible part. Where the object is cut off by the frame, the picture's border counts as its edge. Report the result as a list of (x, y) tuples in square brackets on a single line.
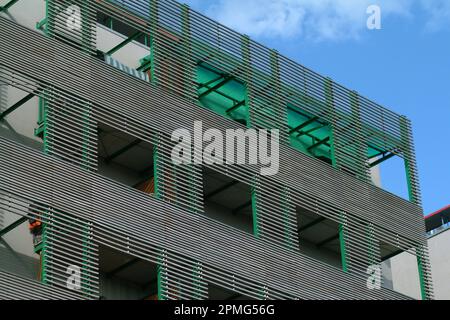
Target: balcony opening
[(220, 293), (124, 277), (123, 46), (18, 113), (222, 93), (20, 239), (400, 271), (125, 159), (309, 134), (227, 200), (319, 237), (388, 172)]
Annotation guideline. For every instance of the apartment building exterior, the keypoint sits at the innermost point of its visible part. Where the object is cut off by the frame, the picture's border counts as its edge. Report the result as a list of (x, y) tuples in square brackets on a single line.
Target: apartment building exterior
[(93, 207), (437, 226)]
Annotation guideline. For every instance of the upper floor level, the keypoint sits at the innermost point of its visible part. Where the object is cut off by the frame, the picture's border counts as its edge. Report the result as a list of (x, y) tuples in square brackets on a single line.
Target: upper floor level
[(172, 46)]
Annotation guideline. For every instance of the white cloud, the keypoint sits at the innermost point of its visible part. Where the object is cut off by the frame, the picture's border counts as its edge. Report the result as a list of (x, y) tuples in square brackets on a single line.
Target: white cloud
[(316, 19), (313, 19)]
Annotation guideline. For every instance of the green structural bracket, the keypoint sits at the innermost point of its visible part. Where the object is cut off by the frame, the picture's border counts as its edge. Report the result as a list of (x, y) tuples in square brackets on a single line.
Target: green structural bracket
[(40, 25), (124, 43)]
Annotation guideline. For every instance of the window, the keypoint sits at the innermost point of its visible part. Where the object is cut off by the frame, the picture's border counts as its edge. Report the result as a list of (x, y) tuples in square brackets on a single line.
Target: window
[(400, 271), (221, 93), (220, 293), (319, 237), (227, 200), (124, 277), (125, 159), (309, 134), (20, 238)]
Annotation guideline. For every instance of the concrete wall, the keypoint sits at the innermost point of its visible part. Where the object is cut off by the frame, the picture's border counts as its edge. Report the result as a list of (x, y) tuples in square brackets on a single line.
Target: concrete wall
[(404, 274), (405, 278), (439, 246)]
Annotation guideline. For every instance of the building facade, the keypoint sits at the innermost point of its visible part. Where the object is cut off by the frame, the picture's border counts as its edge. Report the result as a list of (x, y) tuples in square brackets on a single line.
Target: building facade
[(92, 206), (437, 226)]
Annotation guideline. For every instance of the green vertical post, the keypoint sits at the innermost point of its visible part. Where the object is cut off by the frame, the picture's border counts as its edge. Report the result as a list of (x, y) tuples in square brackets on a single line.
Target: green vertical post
[(254, 191), (44, 252), (361, 147), (86, 37), (286, 209), (407, 154), (332, 116), (342, 241), (160, 273), (405, 132), (329, 100), (247, 70), (277, 102), (156, 165), (189, 75), (421, 269), (153, 35)]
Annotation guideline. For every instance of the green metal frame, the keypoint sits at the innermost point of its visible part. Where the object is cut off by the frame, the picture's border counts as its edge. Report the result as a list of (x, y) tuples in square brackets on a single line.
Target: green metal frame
[(12, 226), (254, 203), (17, 105), (342, 242), (124, 43), (8, 5)]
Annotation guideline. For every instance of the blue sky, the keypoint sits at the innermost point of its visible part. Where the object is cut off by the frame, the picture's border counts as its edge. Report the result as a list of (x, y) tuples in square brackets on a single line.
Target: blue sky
[(405, 66)]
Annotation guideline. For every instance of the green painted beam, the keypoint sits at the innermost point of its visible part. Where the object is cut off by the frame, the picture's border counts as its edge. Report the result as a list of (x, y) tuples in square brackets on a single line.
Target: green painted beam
[(319, 143), (311, 224), (224, 95), (312, 137), (12, 226), (226, 79), (379, 161), (303, 125), (308, 132), (8, 5), (236, 106), (206, 84), (124, 43), (16, 105), (122, 150)]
